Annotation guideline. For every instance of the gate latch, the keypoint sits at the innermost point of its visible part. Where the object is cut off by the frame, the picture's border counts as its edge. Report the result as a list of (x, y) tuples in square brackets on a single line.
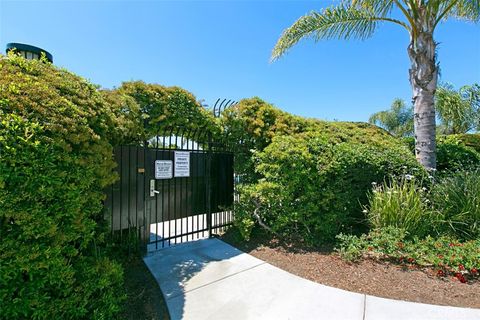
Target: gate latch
[(152, 188)]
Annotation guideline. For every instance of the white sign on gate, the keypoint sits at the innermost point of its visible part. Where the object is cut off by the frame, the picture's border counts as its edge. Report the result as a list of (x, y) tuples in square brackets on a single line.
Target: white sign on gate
[(163, 169), (182, 164)]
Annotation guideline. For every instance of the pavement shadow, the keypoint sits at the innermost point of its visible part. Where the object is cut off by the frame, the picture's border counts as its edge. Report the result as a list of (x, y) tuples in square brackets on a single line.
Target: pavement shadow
[(191, 266)]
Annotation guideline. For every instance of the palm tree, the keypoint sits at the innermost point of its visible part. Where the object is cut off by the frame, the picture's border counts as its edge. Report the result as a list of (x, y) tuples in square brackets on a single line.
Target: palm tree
[(458, 111), (398, 120), (360, 18)]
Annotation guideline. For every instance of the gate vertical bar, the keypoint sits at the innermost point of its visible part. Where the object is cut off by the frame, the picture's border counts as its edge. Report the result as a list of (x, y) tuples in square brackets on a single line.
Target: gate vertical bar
[(181, 191), (163, 194), (145, 223), (197, 178), (204, 182), (156, 198), (208, 176)]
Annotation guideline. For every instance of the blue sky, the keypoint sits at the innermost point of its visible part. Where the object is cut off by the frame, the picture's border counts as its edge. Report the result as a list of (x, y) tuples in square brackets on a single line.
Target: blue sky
[(221, 49)]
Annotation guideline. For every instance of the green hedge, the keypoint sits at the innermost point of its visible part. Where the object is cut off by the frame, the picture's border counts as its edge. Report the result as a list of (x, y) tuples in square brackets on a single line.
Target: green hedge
[(55, 161), (454, 152), (306, 177), (253, 123)]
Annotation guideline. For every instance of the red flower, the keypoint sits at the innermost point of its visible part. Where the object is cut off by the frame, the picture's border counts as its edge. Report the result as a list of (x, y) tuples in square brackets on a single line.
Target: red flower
[(474, 271), (411, 260), (451, 245), (440, 273), (461, 267), (460, 277)]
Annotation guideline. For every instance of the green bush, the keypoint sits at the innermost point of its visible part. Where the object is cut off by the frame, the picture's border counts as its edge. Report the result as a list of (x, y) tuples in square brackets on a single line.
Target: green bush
[(55, 161), (313, 186), (253, 123), (451, 206), (400, 204), (471, 140), (456, 202), (453, 153), (129, 127), (446, 255), (157, 107)]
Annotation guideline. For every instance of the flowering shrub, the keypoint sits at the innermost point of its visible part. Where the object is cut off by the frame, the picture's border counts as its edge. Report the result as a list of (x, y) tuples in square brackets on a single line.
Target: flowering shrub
[(445, 255)]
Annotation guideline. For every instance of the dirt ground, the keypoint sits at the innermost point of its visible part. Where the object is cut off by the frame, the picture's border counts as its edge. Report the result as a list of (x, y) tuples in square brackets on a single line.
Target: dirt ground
[(144, 298), (325, 266)]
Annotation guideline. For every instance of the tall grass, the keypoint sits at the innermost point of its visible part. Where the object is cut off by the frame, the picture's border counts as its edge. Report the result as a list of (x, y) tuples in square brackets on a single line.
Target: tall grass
[(456, 201), (400, 204)]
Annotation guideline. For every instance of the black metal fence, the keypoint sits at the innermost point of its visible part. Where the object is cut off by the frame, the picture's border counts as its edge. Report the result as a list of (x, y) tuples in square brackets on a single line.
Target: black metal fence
[(178, 187)]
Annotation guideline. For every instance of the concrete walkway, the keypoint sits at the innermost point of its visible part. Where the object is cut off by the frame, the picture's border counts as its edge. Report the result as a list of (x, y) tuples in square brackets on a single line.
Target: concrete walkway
[(209, 279)]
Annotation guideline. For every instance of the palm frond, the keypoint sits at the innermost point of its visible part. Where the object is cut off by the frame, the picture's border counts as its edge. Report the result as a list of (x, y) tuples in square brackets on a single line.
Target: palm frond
[(379, 118), (340, 22), (460, 9), (381, 7), (398, 120)]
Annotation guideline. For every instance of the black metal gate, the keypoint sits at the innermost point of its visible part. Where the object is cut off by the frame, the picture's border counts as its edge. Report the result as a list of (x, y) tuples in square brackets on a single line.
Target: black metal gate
[(179, 188)]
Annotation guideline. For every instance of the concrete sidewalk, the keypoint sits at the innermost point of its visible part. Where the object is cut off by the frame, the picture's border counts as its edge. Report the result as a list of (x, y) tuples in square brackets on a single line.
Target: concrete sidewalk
[(209, 279)]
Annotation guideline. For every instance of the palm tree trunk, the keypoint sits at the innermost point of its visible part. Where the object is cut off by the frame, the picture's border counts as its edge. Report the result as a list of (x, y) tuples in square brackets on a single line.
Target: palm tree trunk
[(423, 78)]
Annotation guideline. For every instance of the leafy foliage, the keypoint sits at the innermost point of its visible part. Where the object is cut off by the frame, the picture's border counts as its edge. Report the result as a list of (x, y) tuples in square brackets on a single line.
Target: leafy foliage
[(401, 204), (456, 199), (446, 255), (157, 108), (470, 140), (398, 120), (452, 153), (253, 123), (360, 18), (128, 127), (333, 22), (451, 206), (55, 161), (308, 177)]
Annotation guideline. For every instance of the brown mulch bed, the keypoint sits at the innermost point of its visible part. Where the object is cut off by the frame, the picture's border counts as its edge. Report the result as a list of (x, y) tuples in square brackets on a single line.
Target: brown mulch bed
[(144, 298), (381, 279)]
